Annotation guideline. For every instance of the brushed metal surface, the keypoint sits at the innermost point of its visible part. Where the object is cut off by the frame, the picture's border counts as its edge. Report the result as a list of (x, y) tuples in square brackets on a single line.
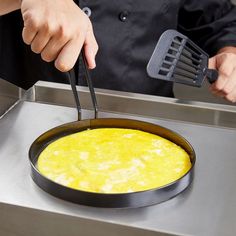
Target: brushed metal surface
[(138, 104), (207, 207), (9, 95)]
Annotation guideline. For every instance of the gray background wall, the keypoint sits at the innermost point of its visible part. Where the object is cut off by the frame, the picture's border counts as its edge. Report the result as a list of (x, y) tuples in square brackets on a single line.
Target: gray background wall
[(198, 94)]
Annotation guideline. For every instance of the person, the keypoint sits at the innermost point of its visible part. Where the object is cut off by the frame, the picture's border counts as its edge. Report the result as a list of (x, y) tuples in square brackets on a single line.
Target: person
[(41, 40)]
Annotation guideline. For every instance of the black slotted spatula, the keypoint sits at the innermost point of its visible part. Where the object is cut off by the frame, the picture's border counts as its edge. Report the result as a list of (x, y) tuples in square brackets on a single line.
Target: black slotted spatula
[(176, 58)]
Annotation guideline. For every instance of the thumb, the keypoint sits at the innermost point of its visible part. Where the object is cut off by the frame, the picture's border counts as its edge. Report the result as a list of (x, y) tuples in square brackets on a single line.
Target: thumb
[(212, 63)]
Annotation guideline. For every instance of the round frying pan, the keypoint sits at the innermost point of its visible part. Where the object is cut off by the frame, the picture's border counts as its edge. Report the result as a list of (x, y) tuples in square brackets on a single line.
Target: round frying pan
[(135, 199), (117, 200)]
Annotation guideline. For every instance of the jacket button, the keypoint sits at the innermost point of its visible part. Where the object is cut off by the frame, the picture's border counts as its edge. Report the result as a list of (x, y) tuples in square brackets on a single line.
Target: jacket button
[(87, 11), (123, 16)]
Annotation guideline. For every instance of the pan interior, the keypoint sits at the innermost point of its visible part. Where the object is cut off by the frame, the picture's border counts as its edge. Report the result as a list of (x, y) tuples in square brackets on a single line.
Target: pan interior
[(122, 165)]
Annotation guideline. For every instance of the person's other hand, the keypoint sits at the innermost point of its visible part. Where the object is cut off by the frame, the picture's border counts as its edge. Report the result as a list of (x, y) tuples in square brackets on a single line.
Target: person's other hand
[(58, 29), (225, 63)]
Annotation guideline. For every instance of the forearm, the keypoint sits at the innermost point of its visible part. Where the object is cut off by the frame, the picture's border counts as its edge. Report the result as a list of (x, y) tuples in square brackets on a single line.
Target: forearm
[(7, 6)]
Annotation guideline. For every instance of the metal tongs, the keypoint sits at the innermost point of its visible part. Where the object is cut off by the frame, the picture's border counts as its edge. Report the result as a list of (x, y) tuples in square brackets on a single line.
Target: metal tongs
[(71, 77)]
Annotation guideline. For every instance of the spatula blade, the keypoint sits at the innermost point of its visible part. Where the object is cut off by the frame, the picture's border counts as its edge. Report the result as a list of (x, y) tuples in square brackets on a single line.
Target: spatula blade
[(176, 58)]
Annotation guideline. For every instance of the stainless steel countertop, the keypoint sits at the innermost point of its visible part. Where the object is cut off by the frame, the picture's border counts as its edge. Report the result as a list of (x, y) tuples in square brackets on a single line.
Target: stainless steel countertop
[(207, 207), (9, 95)]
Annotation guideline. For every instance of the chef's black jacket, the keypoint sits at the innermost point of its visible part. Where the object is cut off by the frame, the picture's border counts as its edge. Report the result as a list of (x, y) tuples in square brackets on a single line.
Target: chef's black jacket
[(127, 32)]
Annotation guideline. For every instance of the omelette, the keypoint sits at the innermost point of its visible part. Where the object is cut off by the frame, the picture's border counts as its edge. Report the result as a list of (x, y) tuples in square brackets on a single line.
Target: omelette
[(113, 160)]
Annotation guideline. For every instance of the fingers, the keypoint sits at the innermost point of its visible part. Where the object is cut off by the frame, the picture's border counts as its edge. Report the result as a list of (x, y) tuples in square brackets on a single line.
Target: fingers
[(60, 47), (36, 32), (218, 87), (90, 48), (212, 63), (40, 40), (30, 28), (28, 35), (51, 51), (230, 87), (230, 83), (69, 54), (225, 86), (60, 34)]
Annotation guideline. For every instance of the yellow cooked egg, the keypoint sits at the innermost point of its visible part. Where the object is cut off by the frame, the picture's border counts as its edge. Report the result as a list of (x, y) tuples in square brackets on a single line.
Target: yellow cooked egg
[(113, 160)]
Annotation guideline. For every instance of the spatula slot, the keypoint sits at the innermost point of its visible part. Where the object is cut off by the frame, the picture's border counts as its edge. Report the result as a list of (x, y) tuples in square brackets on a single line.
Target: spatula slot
[(175, 49), (184, 80), (166, 65), (178, 39), (175, 44), (192, 50), (183, 72), (182, 77), (188, 56), (189, 62), (172, 52), (163, 72), (169, 58), (186, 67)]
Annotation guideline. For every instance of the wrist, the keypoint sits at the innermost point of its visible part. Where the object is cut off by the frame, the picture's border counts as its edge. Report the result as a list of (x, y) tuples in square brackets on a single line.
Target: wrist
[(7, 6)]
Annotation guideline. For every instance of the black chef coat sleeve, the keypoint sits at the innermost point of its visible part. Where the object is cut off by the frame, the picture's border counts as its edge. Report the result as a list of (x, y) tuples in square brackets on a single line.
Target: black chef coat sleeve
[(209, 23)]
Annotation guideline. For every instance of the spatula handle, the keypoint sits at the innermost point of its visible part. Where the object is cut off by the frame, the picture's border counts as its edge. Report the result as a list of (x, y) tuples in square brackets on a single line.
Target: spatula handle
[(212, 75)]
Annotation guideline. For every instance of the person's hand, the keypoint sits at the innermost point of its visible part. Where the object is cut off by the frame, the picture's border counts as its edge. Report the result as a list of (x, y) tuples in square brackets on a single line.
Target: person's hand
[(58, 29), (225, 63)]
